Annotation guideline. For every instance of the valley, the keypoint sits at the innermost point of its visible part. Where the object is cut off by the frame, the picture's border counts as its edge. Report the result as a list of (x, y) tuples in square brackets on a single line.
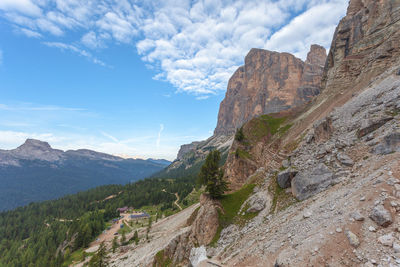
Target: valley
[(302, 169)]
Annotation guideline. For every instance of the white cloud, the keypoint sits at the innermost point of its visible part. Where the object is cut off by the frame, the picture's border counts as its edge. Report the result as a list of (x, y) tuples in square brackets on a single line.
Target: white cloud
[(12, 139), (194, 45), (90, 40), (29, 33), (77, 50), (25, 7), (316, 25), (120, 28), (139, 147), (48, 26)]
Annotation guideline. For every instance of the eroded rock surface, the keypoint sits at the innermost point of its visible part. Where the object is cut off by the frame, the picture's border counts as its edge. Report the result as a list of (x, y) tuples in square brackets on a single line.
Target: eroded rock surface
[(269, 82)]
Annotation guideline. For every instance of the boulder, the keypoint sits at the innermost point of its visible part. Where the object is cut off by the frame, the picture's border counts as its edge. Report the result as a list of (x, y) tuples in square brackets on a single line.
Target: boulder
[(368, 126), (323, 129), (285, 177), (344, 159), (353, 239), (398, 72), (381, 216), (258, 202), (386, 240), (357, 216), (389, 144), (308, 183)]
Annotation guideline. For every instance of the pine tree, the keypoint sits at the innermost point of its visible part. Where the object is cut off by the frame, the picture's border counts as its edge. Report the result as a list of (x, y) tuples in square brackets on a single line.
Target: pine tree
[(123, 239), (114, 244), (100, 259), (212, 176), (136, 237)]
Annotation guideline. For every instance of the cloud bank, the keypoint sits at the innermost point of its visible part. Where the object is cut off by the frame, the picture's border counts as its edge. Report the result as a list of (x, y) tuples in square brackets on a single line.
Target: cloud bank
[(194, 45)]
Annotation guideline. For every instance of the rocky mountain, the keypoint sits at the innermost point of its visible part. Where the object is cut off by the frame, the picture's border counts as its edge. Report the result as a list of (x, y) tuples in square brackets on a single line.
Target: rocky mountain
[(317, 185), (269, 82), (191, 157), (34, 172)]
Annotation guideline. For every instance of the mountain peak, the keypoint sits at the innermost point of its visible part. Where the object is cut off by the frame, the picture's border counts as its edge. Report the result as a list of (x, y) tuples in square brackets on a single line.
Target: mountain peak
[(35, 144), (316, 55)]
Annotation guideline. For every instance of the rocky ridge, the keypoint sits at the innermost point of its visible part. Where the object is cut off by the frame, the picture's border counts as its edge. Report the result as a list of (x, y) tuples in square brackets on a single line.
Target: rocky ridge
[(347, 218)]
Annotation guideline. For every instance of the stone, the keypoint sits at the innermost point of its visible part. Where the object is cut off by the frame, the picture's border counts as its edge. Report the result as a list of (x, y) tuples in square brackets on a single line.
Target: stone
[(369, 126), (357, 216), (369, 137), (353, 239), (386, 240), (323, 129), (285, 163), (309, 138), (389, 144), (381, 216), (396, 247), (339, 230), (310, 182), (307, 214), (197, 255), (398, 73), (269, 82), (344, 159), (285, 177), (371, 229), (258, 202)]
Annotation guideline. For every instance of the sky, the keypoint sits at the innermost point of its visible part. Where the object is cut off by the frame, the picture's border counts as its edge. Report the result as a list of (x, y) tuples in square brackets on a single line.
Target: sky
[(137, 78)]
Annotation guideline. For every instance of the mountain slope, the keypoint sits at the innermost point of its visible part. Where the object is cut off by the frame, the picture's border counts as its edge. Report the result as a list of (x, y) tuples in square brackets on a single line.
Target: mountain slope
[(327, 176), (35, 172)]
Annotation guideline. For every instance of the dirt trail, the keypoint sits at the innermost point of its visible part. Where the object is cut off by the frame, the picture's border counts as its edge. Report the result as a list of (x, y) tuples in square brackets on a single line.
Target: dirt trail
[(176, 201), (108, 236)]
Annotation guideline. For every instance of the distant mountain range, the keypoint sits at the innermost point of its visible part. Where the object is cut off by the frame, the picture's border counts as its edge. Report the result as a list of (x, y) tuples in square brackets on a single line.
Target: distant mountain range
[(35, 171)]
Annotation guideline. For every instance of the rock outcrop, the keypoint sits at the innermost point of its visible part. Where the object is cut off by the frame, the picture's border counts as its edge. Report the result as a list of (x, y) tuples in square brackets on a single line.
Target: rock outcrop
[(200, 233), (365, 44), (269, 82), (310, 182)]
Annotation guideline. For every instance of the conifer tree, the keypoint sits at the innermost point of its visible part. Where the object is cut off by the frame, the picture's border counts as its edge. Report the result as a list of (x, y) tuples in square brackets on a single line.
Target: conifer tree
[(100, 259), (212, 176), (114, 244)]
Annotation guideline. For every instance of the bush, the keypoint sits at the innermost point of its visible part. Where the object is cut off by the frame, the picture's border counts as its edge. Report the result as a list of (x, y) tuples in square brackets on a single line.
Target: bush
[(239, 136)]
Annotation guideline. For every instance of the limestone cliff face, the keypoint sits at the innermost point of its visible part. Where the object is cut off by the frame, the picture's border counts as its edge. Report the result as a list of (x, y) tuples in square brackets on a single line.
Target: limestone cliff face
[(365, 44), (269, 82)]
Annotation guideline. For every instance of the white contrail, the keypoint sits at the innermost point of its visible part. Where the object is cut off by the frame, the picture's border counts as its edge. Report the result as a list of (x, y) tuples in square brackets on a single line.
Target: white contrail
[(159, 135)]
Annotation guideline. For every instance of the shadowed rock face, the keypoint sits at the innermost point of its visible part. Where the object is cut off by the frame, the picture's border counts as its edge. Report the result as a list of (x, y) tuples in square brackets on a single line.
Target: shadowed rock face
[(269, 82), (365, 44)]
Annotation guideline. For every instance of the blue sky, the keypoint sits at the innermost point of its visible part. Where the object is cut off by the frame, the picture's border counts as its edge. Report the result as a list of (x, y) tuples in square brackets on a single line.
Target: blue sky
[(137, 78)]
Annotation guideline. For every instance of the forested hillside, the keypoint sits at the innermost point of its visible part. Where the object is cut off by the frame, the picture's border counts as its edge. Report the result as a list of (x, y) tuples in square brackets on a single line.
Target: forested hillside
[(44, 234)]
